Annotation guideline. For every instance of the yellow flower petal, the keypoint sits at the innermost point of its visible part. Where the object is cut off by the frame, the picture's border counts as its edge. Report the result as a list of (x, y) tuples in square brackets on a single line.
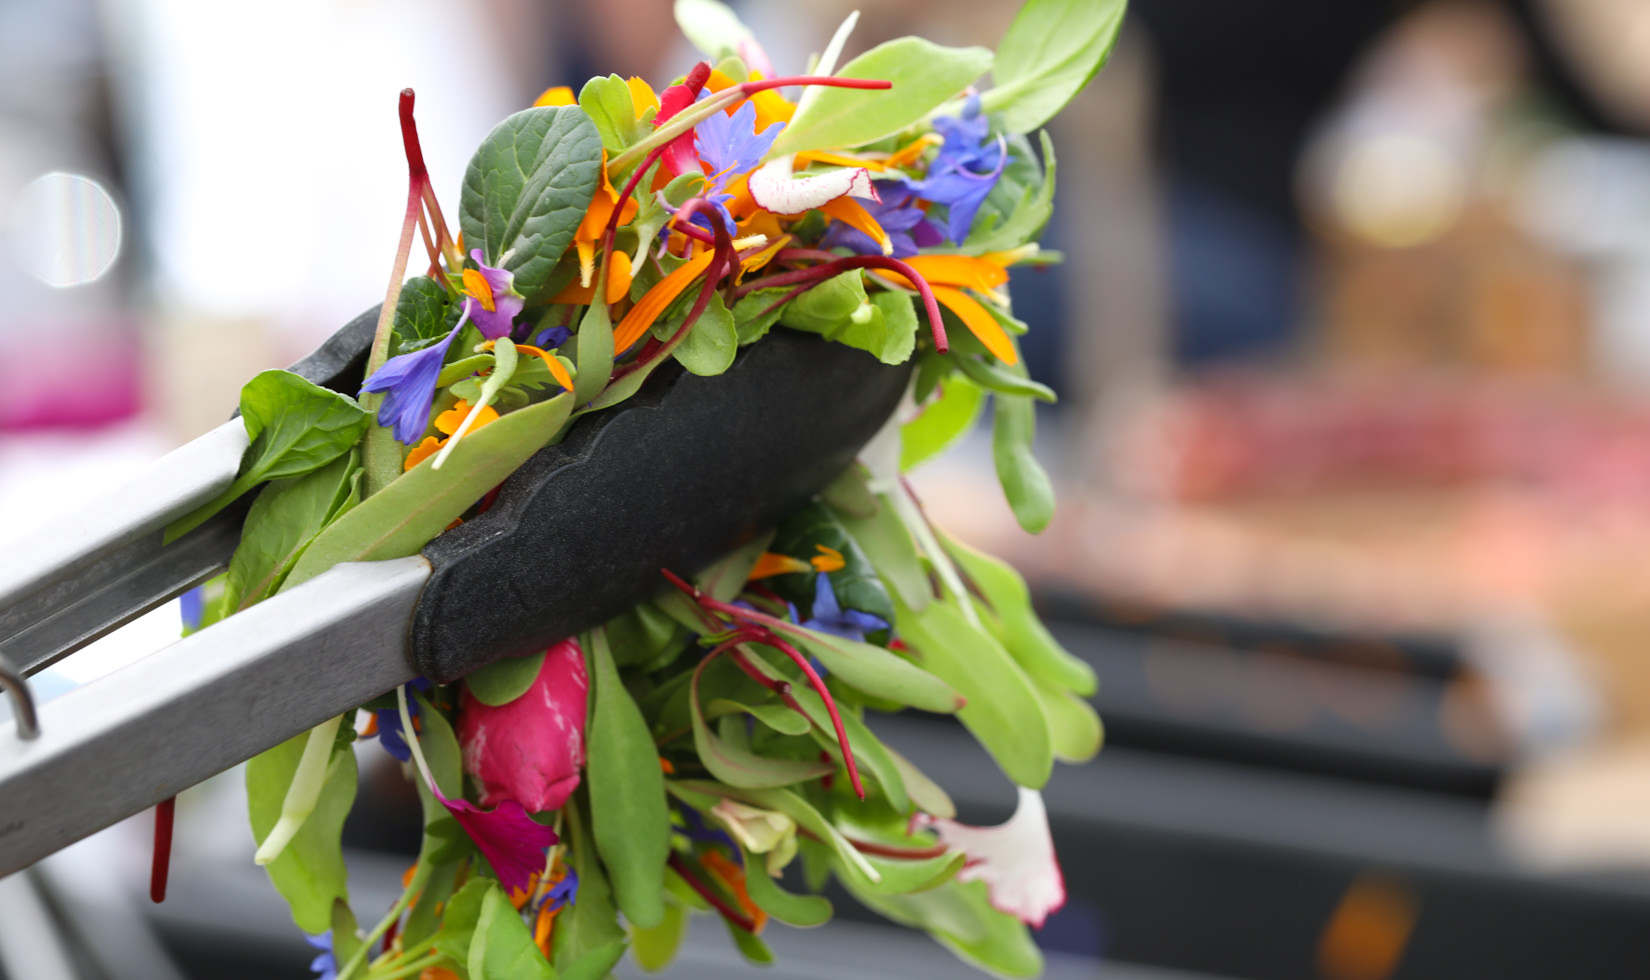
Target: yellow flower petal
[(642, 96), (556, 95), (648, 308), (839, 160), (979, 322)]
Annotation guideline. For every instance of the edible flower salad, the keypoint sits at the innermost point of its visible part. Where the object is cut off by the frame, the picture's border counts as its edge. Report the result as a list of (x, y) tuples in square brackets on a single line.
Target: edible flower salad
[(709, 751)]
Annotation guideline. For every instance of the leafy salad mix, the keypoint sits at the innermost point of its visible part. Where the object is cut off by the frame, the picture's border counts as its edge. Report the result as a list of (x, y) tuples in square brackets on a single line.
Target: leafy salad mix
[(708, 750)]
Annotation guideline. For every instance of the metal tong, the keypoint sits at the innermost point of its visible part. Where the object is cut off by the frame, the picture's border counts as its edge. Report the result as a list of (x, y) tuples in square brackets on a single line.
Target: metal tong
[(677, 476)]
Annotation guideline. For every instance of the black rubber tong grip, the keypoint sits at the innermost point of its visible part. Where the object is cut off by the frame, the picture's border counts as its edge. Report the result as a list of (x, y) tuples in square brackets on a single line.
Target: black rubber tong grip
[(676, 477)]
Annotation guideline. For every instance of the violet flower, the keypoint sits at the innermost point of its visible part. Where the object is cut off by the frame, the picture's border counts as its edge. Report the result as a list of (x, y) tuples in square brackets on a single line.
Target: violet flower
[(830, 617), (409, 380), (326, 964), (964, 170), (564, 892), (907, 225), (492, 302), (731, 147)]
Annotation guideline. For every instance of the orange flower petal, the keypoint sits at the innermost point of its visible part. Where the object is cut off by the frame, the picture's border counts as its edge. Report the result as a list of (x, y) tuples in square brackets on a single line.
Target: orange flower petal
[(828, 559), (733, 876), (909, 153), (666, 766), (556, 95), (558, 370), (424, 450), (648, 308), (959, 270), (476, 285), (452, 418), (979, 322), (848, 211), (772, 563)]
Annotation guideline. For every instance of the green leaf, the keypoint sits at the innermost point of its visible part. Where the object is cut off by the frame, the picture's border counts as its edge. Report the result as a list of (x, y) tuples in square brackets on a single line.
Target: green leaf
[(887, 544), (855, 584), (526, 191), (778, 717), (1050, 52), (756, 313), (458, 922), (423, 316), (750, 945), (993, 374), (712, 27), (805, 911), (407, 514), (710, 345), (656, 947), (897, 339), (1006, 949), (596, 964), (608, 103), (726, 579), (829, 306), (309, 873), (924, 76), (1025, 484), (440, 747), (941, 423), (738, 766), (283, 520), (630, 815), (1003, 711), (807, 818), (1073, 725), (295, 427), (1026, 222), (505, 950), (849, 495), (590, 924), (868, 750), (875, 671), (502, 681), (925, 793), (640, 634), (594, 346), (1019, 627)]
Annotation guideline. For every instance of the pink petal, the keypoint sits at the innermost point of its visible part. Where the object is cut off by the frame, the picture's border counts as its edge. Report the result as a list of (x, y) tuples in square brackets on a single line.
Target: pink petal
[(1015, 860), (530, 750), (508, 838), (774, 188)]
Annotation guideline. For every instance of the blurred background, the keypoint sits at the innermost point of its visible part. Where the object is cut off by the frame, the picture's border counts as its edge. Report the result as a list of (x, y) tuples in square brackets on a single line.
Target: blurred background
[(1353, 455)]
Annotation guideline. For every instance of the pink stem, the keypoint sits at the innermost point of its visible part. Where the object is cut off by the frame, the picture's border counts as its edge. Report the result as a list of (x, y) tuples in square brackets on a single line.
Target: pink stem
[(821, 272), (709, 894)]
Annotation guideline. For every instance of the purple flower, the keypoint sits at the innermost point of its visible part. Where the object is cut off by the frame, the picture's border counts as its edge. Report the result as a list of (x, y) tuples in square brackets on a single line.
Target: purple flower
[(326, 964), (730, 146), (388, 720), (830, 617), (965, 169), (906, 224), (492, 302), (511, 841), (410, 381), (552, 337)]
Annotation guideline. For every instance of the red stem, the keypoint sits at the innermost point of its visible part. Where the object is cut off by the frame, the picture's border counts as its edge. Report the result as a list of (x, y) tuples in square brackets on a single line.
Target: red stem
[(162, 865), (733, 915), (773, 640), (409, 138), (841, 265), (751, 88), (896, 852)]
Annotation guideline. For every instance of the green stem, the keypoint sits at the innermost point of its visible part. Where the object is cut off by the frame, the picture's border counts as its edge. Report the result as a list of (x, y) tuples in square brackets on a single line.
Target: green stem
[(301, 796), (409, 969), (373, 937)]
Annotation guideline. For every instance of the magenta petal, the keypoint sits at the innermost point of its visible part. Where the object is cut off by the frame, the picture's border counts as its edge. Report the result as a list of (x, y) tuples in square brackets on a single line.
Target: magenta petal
[(530, 750), (508, 838)]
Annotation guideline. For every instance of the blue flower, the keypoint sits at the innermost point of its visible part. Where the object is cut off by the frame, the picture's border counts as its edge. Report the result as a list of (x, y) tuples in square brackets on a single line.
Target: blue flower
[(389, 734), (410, 381), (731, 147), (564, 892), (326, 964), (552, 337), (830, 617), (907, 225), (193, 608), (964, 170)]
